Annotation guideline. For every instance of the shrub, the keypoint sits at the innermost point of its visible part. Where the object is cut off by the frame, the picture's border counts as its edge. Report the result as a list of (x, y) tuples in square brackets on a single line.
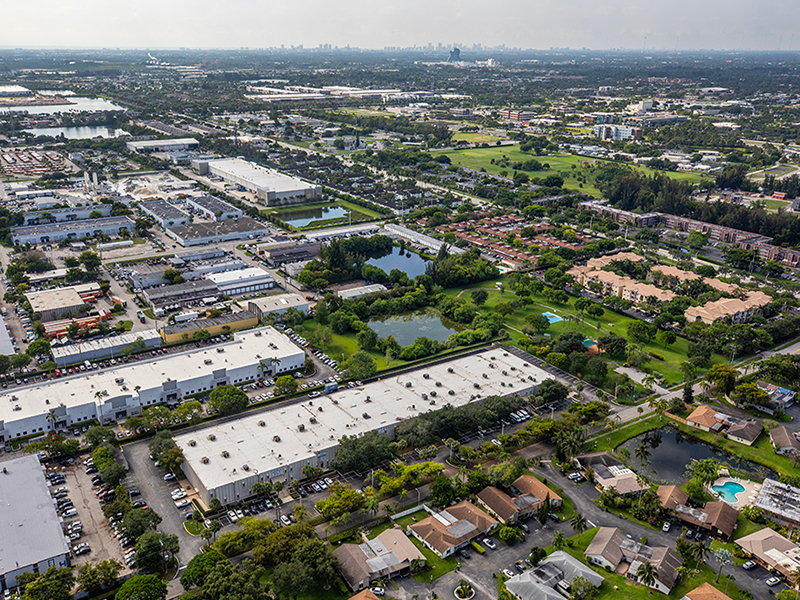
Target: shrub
[(478, 548)]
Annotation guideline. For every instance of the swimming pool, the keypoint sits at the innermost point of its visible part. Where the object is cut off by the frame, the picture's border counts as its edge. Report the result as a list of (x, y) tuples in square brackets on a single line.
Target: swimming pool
[(552, 318), (728, 490)]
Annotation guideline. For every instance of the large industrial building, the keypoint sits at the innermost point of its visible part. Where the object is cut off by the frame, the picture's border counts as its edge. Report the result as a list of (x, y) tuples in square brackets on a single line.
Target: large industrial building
[(32, 537), (103, 348), (70, 230), (117, 394), (242, 281), (199, 234), (213, 208), (223, 324), (271, 187), (60, 215), (164, 213), (225, 460), (163, 145)]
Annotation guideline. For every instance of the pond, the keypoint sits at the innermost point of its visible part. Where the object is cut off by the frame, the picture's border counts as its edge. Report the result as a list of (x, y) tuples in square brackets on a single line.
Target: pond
[(77, 133), (410, 263), (77, 105), (408, 327), (671, 452), (303, 217)]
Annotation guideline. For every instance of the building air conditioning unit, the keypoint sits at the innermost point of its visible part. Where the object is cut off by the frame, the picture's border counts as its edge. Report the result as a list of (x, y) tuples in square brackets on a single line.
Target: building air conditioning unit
[(225, 454), (212, 437), (204, 460), (192, 443)]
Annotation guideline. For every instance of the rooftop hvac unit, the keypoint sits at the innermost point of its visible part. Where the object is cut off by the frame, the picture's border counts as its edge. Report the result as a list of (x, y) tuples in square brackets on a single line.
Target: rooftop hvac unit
[(312, 420), (426, 376), (438, 384), (408, 384), (192, 443), (276, 438), (262, 424), (207, 361), (225, 454), (204, 460), (212, 437), (449, 369), (245, 467), (301, 427), (365, 415)]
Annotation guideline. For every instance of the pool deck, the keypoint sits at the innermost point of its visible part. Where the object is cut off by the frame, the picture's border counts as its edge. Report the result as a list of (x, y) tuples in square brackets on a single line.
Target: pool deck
[(745, 498)]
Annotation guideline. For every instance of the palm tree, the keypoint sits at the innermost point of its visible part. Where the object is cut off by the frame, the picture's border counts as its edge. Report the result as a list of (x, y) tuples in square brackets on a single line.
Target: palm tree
[(642, 481), (794, 577), (579, 524), (558, 540), (724, 558), (642, 453), (699, 552), (214, 528), (646, 574)]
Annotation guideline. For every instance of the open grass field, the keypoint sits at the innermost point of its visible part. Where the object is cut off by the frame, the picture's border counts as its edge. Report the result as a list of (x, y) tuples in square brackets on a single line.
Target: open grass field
[(611, 322), (770, 204), (439, 566), (475, 138), (566, 165), (345, 345)]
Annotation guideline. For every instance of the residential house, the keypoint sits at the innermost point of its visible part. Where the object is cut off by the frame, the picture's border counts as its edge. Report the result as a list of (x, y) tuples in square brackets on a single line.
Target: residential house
[(671, 275), (445, 532), (528, 497), (739, 430), (552, 578), (365, 595), (716, 518), (779, 397), (613, 549), (780, 502), (771, 550), (389, 555), (608, 471), (784, 440), (706, 592)]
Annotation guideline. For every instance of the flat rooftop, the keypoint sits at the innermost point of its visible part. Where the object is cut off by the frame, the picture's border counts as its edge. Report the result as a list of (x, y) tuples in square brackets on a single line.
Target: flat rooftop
[(204, 230), (72, 226), (189, 326), (54, 299), (29, 526), (226, 278), (278, 302), (213, 204), (258, 176), (199, 286), (120, 341), (780, 499), (245, 349), (249, 439), (163, 209), (145, 144)]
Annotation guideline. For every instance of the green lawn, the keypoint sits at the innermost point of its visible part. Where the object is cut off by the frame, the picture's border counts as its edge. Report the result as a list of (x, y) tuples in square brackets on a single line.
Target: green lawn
[(760, 452), (127, 325), (616, 436), (378, 529), (416, 517), (745, 527), (610, 322), (775, 204), (439, 566), (193, 527), (343, 346), (481, 158), (474, 138)]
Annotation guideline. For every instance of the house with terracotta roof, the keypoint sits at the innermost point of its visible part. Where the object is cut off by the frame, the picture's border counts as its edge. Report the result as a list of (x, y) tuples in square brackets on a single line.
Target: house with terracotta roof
[(784, 441), (739, 430), (771, 550), (445, 532), (716, 518), (613, 549), (528, 484), (529, 494), (706, 592), (365, 595), (389, 554)]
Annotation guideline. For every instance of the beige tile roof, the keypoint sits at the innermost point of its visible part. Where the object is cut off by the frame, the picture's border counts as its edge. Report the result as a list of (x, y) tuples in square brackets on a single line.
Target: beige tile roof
[(703, 415), (706, 592)]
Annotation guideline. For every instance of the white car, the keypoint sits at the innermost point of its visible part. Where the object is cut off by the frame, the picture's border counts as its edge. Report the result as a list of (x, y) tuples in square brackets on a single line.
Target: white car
[(239, 513), (508, 573), (183, 503), (489, 543), (170, 477), (666, 526), (378, 591), (232, 516)]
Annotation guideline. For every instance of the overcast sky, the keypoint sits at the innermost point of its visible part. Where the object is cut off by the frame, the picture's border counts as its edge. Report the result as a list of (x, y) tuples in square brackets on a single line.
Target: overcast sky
[(538, 24)]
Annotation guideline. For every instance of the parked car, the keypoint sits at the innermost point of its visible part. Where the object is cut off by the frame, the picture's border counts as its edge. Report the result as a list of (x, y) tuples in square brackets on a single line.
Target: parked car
[(170, 477), (489, 544), (183, 503), (508, 573), (750, 564), (773, 581), (378, 591), (462, 552), (666, 526), (232, 516)]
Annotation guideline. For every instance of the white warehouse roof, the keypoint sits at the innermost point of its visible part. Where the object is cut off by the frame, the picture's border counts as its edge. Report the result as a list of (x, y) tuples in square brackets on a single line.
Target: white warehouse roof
[(249, 440), (260, 177)]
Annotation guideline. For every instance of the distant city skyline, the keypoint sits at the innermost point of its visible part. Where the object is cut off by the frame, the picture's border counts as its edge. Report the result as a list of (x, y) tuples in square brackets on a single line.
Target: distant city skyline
[(527, 24)]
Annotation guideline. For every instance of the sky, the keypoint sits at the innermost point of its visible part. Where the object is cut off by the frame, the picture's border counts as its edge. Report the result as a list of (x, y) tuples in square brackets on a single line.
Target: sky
[(536, 24)]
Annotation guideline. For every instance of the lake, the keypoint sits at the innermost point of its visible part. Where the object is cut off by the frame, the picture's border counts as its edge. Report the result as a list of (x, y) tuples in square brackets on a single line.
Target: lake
[(77, 133), (409, 262), (671, 451), (78, 105), (408, 327), (303, 217)]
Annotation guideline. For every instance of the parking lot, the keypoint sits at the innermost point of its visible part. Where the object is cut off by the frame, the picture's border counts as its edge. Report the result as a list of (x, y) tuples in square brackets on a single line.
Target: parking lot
[(96, 529)]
